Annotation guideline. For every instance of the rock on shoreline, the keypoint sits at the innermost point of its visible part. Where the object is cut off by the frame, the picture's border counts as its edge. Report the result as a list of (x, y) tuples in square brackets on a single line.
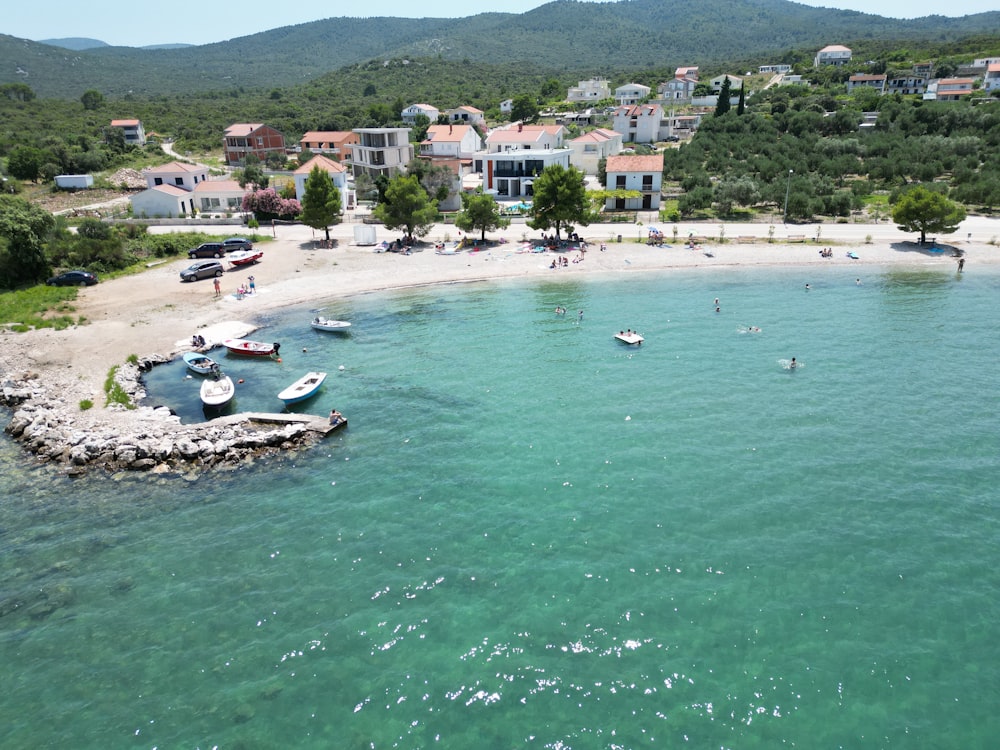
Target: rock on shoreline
[(142, 439)]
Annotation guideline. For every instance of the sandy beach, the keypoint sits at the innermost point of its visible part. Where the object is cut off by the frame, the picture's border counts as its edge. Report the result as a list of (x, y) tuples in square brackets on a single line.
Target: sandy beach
[(155, 313)]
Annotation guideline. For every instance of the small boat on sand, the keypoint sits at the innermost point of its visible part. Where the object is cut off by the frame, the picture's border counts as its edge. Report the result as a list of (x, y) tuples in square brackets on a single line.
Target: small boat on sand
[(217, 390), (326, 324), (305, 387), (245, 257), (249, 348), (629, 337), (198, 362)]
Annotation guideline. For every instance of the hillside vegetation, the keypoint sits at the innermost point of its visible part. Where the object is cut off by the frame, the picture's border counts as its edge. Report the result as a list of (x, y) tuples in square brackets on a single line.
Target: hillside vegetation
[(558, 37)]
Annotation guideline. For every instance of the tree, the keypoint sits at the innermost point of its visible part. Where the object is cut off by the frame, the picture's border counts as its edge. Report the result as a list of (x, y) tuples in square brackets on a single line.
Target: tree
[(922, 210), (92, 99), (437, 179), (252, 175), (19, 92), (407, 206), (560, 199), (24, 163), (480, 212), (524, 108), (602, 171), (742, 191), (321, 205), (24, 229), (420, 125), (741, 107), (722, 106)]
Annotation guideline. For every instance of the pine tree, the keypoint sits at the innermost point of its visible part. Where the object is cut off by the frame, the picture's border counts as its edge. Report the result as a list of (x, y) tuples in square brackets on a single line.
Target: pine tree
[(321, 205)]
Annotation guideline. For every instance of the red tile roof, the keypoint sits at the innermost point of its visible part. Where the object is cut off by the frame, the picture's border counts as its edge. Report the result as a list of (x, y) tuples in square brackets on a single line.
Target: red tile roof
[(627, 163)]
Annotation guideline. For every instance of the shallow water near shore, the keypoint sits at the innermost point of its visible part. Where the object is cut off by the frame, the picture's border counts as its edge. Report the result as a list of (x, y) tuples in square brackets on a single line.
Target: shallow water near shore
[(531, 535)]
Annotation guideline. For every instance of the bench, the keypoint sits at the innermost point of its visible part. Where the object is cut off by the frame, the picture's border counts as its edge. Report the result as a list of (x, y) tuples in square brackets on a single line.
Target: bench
[(744, 239), (796, 238)]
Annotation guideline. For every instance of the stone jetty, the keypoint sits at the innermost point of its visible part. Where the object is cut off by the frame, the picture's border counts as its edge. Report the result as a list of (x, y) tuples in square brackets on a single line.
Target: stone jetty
[(144, 439)]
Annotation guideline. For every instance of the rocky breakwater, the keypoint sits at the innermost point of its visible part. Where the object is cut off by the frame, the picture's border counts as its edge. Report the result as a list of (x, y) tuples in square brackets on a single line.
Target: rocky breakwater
[(141, 439)]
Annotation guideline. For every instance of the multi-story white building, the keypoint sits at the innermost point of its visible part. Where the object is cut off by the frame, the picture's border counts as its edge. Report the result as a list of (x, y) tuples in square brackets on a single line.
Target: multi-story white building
[(409, 115), (639, 123), (868, 81), (832, 54), (520, 137), (991, 81), (132, 129), (590, 148), (631, 93), (380, 151), (511, 174), (589, 91)]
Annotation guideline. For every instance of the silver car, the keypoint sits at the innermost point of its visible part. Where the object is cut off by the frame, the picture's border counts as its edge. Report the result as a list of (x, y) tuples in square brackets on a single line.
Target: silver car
[(203, 269)]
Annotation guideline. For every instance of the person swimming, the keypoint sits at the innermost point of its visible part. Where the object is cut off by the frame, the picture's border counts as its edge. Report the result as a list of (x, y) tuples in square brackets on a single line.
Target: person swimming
[(793, 364)]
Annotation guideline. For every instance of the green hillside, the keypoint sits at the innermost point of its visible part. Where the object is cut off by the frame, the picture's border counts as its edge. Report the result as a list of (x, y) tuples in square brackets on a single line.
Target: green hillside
[(561, 36)]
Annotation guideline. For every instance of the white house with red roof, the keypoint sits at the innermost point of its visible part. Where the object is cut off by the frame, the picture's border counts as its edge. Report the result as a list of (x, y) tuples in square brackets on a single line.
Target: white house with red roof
[(640, 173), (176, 173), (950, 89), (132, 129), (454, 147), (338, 175), (465, 115), (328, 142), (681, 88), (181, 189), (163, 201), (638, 123), (450, 142), (589, 148), (867, 80), (991, 81), (521, 137), (410, 114)]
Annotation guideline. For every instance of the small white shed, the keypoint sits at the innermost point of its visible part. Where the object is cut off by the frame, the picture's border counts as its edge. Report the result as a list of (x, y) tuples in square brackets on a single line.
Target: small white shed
[(74, 181), (364, 234)]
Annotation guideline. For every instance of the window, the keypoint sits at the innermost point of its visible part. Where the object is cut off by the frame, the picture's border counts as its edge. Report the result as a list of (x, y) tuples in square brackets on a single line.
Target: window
[(179, 181), (620, 181), (647, 182), (157, 180)]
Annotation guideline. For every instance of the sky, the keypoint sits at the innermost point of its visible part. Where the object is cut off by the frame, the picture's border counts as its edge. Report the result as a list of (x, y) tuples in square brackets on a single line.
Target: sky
[(111, 21)]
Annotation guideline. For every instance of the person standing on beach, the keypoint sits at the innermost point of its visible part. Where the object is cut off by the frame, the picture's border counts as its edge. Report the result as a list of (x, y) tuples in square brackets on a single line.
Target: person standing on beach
[(218, 287), (253, 285), (961, 265)]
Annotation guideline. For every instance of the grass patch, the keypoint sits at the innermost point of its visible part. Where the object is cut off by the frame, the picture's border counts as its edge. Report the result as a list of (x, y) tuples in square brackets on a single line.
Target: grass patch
[(86, 404), (39, 307), (114, 393)]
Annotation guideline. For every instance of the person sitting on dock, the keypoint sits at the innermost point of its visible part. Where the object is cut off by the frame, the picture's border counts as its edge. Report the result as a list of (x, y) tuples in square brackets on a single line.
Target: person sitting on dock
[(336, 417)]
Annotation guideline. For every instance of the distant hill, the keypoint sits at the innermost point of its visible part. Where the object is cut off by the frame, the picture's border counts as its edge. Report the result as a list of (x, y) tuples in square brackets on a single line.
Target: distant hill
[(564, 35), (74, 43)]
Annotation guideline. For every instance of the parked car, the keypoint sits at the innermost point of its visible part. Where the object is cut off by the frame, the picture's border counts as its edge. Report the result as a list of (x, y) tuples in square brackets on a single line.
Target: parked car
[(208, 250), (237, 243), (203, 269), (73, 278)]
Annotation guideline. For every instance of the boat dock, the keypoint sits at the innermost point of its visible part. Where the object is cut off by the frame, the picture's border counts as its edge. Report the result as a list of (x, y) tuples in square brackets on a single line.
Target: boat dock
[(311, 421)]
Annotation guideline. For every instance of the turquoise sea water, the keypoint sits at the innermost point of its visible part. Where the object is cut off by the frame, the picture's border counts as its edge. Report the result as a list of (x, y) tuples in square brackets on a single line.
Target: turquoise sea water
[(533, 536)]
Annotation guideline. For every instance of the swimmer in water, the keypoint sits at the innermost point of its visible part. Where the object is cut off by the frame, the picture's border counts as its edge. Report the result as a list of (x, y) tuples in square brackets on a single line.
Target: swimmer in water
[(793, 364)]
